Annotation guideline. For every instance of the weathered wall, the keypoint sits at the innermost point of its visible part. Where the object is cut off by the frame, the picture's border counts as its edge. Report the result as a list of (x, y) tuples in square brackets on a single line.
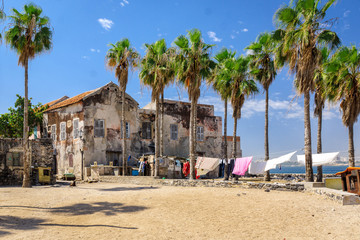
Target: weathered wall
[(106, 105), (68, 151), (41, 156), (179, 113)]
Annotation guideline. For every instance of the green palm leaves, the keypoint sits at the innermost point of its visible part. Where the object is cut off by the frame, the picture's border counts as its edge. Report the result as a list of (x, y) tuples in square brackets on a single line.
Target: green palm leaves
[(29, 33), (121, 57), (193, 62), (157, 67)]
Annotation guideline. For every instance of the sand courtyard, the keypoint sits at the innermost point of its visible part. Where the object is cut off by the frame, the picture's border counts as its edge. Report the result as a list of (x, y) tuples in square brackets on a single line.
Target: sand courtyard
[(124, 211)]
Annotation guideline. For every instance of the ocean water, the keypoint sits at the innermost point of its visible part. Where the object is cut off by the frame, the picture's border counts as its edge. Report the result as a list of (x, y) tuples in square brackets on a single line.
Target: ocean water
[(301, 169)]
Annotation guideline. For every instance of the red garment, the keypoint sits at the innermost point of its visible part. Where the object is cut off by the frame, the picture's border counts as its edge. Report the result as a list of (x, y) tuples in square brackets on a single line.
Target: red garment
[(186, 169)]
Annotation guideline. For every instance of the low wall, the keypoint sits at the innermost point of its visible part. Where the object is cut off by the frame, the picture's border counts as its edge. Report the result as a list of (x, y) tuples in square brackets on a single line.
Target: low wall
[(140, 180)]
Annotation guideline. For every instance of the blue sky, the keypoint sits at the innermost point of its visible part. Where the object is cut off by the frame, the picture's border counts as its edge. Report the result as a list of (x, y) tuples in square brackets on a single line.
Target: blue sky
[(84, 28)]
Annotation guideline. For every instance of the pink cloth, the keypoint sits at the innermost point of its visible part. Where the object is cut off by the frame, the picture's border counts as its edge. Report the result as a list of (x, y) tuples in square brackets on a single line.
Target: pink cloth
[(241, 165)]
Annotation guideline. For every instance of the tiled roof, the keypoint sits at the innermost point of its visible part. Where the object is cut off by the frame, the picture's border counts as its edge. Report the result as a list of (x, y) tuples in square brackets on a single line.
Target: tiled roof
[(50, 104), (70, 101)]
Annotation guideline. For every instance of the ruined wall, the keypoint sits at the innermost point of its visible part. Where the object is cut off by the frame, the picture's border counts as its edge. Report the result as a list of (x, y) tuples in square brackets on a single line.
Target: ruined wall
[(11, 163)]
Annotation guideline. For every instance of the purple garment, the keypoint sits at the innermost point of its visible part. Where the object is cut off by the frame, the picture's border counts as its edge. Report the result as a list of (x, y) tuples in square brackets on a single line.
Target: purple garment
[(242, 165)]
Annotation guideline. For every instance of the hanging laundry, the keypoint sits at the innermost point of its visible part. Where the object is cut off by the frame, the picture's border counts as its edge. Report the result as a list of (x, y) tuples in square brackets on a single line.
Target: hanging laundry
[(241, 165), (271, 164), (207, 163), (319, 159), (186, 169), (257, 167)]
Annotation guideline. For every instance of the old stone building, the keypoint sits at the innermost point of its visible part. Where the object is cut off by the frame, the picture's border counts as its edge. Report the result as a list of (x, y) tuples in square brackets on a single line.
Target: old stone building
[(86, 129)]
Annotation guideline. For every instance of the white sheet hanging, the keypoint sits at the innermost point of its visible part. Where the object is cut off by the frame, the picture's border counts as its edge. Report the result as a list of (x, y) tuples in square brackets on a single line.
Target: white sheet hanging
[(257, 167), (261, 167), (319, 159), (272, 163)]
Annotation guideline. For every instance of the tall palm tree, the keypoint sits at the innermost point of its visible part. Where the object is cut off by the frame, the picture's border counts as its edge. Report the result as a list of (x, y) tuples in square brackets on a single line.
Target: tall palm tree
[(344, 85), (242, 86), (264, 71), (29, 35), (221, 83), (303, 30), (193, 65), (156, 72), (121, 57), (2, 17), (320, 75)]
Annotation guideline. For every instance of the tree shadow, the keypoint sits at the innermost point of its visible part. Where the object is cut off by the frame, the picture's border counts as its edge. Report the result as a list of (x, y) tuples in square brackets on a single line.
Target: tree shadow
[(109, 209), (120, 189), (18, 223)]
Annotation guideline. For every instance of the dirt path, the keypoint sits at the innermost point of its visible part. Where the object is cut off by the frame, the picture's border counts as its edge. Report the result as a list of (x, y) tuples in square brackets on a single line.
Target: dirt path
[(113, 211)]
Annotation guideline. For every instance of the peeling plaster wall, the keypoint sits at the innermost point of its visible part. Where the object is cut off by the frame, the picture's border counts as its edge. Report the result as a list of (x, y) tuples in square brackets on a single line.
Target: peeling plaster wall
[(68, 151), (107, 106)]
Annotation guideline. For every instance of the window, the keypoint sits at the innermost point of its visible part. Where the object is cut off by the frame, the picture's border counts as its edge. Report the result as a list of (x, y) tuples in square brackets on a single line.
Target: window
[(127, 133), (173, 131), (53, 132), (62, 131), (35, 132), (200, 133), (76, 128), (146, 130), (99, 130), (14, 159)]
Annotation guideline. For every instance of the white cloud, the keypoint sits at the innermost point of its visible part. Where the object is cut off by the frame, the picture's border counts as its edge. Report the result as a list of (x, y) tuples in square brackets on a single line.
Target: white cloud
[(85, 57), (249, 52), (245, 30), (124, 2), (346, 13), (213, 37), (231, 46), (94, 50), (232, 36), (105, 23), (240, 22)]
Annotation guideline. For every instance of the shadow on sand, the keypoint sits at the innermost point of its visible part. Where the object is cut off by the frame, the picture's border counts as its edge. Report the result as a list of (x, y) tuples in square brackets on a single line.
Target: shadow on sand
[(121, 189), (18, 223), (107, 208)]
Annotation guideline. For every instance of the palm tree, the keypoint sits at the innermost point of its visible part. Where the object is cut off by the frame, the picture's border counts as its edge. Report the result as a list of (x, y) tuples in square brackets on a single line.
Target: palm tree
[(221, 82), (264, 71), (303, 29), (193, 65), (2, 17), (319, 78), (344, 85), (121, 57), (156, 72), (242, 86), (29, 35)]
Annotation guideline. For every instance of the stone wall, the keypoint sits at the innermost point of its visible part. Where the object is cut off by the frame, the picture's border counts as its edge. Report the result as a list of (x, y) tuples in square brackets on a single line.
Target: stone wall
[(11, 163)]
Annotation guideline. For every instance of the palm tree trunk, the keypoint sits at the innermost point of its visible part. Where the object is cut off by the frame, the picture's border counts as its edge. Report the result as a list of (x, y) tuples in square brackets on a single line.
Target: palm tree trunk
[(157, 137), (319, 175), (26, 160), (123, 132), (192, 140), (351, 146), (233, 154), (226, 170), (267, 173), (309, 177), (162, 125)]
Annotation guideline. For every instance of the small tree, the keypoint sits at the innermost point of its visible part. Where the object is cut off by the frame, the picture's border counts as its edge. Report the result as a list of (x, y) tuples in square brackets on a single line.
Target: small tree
[(11, 123)]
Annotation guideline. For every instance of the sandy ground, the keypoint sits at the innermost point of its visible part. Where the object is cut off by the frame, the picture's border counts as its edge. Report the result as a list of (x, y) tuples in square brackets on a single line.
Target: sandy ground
[(114, 211)]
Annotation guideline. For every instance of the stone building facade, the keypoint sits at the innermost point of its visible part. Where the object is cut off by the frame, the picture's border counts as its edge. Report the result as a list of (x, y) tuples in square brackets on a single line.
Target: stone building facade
[(11, 160), (87, 128)]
